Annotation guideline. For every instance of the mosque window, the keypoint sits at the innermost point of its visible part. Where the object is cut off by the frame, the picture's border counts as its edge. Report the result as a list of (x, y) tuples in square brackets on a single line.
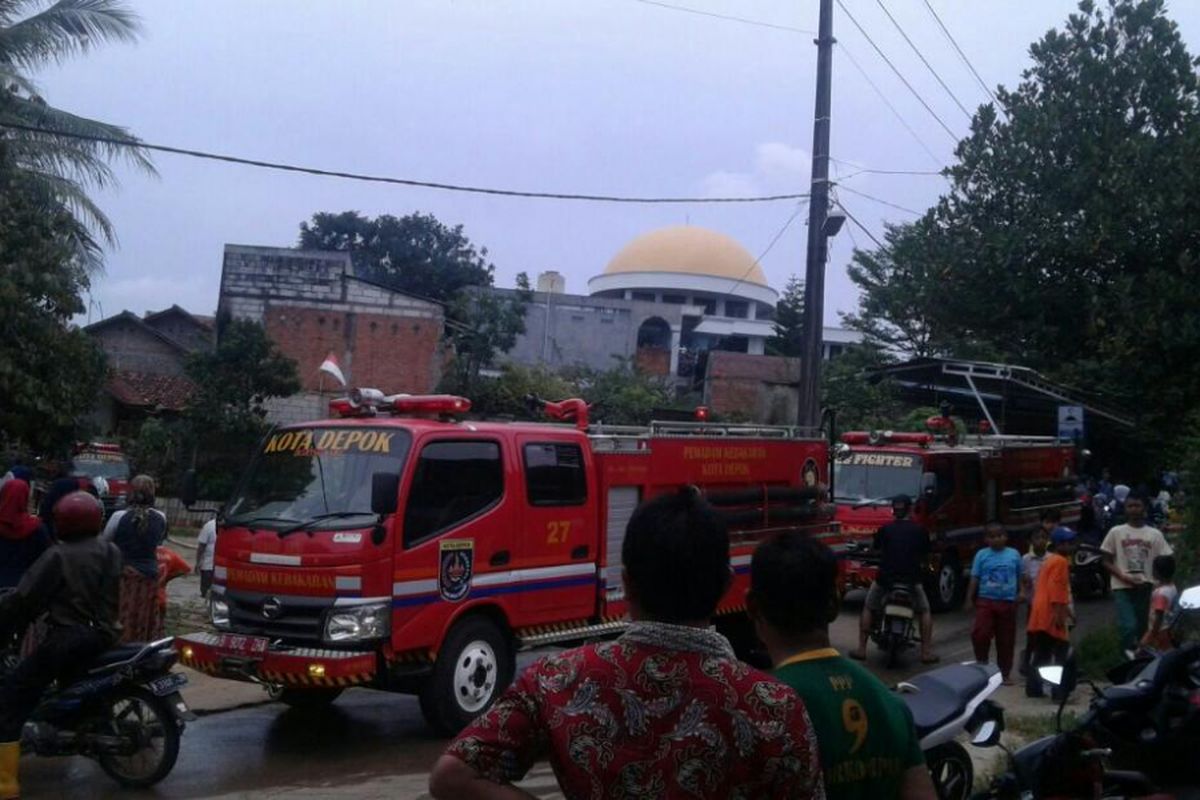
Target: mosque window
[(647, 297), (737, 309), (674, 299)]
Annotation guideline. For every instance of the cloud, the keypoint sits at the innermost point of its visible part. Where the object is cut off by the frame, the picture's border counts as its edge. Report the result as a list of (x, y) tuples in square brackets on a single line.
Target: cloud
[(778, 168)]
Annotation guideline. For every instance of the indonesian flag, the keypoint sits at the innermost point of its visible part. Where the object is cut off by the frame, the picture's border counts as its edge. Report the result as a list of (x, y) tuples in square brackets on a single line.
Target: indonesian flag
[(330, 367)]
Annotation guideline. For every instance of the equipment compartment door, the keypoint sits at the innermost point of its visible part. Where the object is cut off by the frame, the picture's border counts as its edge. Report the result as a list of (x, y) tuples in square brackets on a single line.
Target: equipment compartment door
[(556, 547)]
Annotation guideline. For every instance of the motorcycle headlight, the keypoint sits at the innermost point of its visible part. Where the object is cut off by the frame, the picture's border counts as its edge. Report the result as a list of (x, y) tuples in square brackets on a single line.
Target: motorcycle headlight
[(218, 612), (359, 623)]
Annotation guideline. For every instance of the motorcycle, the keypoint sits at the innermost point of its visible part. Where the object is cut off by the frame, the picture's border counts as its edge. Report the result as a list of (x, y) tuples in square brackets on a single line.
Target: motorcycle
[(124, 710), (1069, 763), (1089, 578), (895, 630), (945, 703)]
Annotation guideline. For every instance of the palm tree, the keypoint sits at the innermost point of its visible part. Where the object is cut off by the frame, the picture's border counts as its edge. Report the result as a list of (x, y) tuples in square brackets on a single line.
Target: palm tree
[(42, 142)]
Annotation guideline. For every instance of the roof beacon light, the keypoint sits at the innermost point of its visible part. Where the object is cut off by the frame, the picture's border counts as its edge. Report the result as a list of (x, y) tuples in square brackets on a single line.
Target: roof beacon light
[(702, 413), (440, 404)]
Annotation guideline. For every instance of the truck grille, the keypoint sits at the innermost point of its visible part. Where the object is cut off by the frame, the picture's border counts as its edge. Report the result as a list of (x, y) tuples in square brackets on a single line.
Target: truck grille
[(299, 620)]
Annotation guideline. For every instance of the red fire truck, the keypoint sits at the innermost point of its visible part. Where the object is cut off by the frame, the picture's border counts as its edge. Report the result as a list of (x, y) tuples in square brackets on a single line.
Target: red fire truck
[(107, 461), (958, 484), (399, 547)]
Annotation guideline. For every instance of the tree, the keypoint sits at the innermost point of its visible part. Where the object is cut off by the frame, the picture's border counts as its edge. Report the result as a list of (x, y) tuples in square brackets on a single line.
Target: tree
[(61, 167), (1067, 240), (860, 402), (789, 321), (51, 372), (227, 411), (480, 325), (416, 254)]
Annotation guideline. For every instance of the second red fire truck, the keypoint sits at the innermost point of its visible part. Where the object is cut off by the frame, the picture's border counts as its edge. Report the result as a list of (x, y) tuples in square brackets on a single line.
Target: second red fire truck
[(958, 484), (401, 547)]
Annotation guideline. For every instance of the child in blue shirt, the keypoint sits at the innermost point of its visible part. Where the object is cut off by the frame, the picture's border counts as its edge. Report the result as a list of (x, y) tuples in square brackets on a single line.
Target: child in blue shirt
[(995, 590)]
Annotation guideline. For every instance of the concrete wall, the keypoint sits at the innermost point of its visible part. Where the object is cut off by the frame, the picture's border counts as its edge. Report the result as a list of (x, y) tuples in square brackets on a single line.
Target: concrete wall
[(311, 305), (129, 346), (186, 332), (563, 330)]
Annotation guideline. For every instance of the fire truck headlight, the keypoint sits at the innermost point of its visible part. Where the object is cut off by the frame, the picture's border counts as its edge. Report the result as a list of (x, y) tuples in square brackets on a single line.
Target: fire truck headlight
[(359, 623), (218, 611)]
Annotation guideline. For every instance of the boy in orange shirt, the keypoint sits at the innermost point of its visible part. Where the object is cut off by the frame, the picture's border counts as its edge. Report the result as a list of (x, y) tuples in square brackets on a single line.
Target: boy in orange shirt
[(1050, 612)]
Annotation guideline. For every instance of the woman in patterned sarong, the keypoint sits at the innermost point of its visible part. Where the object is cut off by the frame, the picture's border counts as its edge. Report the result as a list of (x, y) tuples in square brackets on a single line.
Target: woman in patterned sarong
[(138, 531)]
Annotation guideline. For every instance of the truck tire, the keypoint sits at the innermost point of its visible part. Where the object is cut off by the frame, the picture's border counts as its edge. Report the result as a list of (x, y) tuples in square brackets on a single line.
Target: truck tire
[(946, 589), (474, 665), (308, 699)]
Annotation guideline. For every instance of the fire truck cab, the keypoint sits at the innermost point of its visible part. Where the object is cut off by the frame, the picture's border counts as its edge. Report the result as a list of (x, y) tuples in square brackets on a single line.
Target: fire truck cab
[(958, 485), (399, 547)]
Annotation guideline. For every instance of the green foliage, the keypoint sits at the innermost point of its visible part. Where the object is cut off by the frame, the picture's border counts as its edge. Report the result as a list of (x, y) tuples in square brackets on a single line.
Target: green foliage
[(623, 395), (50, 371), (789, 321), (505, 395), (1067, 241), (861, 404), (226, 417), (481, 325), (158, 450), (33, 34), (416, 253)]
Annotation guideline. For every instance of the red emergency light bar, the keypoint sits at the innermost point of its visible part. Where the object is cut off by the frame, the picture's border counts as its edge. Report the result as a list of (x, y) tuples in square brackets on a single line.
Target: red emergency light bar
[(367, 402), (886, 437)]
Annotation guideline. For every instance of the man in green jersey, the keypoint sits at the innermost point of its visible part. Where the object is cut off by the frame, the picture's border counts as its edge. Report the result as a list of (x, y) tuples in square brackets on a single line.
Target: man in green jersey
[(865, 733)]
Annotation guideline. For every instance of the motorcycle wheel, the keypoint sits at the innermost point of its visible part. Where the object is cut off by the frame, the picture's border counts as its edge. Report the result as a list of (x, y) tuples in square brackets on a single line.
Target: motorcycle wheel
[(952, 772), (894, 646), (151, 723)]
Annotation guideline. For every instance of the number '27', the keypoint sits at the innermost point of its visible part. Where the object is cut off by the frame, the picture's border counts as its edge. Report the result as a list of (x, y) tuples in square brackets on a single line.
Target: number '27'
[(557, 531)]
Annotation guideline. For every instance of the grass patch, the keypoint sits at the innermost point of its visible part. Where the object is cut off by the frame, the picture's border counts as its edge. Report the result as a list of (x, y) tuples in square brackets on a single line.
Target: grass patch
[(1098, 652), (1029, 728)]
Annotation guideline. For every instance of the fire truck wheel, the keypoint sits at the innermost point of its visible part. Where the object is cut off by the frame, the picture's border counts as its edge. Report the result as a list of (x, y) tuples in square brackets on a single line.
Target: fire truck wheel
[(474, 665), (946, 590), (308, 698)]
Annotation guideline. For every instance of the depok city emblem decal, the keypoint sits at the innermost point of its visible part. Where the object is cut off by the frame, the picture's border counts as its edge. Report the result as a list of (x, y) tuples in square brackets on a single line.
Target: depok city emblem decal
[(809, 473), (456, 561)]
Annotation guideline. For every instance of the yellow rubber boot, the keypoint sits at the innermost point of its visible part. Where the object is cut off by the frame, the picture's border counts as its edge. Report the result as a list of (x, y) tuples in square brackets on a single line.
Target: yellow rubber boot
[(10, 757)]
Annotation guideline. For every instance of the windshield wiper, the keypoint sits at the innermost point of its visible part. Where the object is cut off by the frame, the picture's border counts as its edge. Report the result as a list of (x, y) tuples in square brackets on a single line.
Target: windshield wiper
[(872, 501), (308, 523), (261, 518)]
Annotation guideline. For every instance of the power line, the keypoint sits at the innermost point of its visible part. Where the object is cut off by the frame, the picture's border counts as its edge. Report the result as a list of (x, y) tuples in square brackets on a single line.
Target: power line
[(728, 17), (778, 235), (860, 170), (899, 74), (862, 227), (450, 187), (883, 202), (887, 102), (965, 60), (924, 60)]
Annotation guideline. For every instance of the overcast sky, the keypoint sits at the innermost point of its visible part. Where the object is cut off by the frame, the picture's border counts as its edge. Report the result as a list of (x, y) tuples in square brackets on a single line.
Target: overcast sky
[(594, 96)]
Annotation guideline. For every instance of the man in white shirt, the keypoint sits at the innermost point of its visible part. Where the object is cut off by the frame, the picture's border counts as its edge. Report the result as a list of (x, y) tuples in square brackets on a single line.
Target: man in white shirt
[(1129, 551), (206, 543)]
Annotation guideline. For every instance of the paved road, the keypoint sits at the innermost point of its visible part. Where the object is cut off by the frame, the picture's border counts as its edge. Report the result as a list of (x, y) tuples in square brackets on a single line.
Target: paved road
[(371, 744)]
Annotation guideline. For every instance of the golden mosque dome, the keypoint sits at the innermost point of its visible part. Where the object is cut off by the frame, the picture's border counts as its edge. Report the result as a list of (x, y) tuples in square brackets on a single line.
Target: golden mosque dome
[(689, 250)]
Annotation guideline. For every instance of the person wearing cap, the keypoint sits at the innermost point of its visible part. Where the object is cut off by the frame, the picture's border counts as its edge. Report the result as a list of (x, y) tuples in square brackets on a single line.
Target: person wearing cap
[(1050, 612), (903, 546), (76, 585)]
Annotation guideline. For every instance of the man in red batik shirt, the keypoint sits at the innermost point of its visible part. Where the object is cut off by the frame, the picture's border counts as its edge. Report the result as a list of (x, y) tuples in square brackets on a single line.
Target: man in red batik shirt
[(665, 711)]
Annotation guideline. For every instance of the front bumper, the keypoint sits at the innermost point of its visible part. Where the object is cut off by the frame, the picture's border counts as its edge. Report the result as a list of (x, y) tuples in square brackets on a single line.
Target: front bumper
[(282, 665)]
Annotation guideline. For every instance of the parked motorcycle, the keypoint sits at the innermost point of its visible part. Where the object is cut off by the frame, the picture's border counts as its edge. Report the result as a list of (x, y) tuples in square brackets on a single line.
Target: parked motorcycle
[(124, 710), (895, 630), (1089, 578), (945, 703), (1068, 764)]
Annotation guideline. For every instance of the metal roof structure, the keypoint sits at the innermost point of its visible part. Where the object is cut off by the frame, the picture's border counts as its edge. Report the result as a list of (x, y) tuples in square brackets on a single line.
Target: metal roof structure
[(1006, 395)]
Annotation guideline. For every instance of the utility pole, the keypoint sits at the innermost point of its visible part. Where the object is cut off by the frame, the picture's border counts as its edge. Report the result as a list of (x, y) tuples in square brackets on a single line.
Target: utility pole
[(818, 208)]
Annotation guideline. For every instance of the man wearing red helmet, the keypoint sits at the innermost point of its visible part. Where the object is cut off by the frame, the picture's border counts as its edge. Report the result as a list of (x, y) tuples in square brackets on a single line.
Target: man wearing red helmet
[(76, 585)]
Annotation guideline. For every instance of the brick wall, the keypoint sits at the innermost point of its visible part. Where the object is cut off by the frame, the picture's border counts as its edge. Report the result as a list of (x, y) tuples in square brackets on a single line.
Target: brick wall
[(764, 388), (654, 360), (311, 305)]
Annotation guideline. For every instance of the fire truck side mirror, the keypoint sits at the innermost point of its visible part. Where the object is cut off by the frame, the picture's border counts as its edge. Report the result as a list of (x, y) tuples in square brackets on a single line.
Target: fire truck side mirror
[(187, 488), (385, 491)]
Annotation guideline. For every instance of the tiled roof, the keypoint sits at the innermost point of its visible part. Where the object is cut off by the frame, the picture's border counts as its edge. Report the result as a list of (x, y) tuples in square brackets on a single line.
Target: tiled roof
[(144, 390)]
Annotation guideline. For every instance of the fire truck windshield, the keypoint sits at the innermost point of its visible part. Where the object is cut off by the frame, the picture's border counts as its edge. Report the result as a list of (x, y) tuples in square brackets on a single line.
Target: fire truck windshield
[(305, 474), (103, 467), (866, 478)]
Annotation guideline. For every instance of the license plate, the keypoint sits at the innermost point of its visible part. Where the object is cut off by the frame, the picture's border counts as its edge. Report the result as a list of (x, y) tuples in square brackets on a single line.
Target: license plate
[(167, 684), (231, 644)]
